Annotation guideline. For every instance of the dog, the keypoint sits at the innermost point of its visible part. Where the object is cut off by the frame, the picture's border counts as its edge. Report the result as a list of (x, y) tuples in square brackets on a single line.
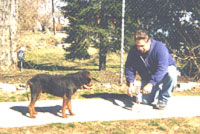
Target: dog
[(58, 85)]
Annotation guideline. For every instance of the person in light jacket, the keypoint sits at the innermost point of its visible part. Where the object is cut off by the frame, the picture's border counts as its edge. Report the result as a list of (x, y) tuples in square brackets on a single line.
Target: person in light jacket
[(152, 61)]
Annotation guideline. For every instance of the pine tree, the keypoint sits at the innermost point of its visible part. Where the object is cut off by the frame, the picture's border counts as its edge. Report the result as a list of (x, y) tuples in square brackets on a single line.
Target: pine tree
[(93, 23)]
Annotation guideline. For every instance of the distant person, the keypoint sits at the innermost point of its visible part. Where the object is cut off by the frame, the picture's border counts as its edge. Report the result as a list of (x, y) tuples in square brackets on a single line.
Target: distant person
[(151, 60)]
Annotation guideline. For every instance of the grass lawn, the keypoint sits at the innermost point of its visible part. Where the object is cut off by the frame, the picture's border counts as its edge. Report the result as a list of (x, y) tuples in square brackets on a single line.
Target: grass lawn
[(190, 125), (51, 59)]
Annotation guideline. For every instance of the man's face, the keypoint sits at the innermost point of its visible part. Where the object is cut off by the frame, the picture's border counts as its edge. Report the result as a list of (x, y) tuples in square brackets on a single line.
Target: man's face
[(143, 45)]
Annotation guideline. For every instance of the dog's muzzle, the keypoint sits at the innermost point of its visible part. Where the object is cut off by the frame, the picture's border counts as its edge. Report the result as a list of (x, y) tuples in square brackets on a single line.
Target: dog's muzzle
[(87, 86)]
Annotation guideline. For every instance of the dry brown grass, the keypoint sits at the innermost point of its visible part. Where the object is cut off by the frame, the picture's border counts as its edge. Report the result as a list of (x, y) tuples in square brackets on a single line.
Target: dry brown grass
[(190, 125)]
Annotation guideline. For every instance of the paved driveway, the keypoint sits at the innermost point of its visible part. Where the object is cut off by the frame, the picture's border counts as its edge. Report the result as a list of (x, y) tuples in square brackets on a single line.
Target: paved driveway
[(109, 107)]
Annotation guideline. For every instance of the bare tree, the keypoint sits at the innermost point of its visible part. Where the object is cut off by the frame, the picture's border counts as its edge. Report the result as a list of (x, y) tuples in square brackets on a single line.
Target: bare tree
[(8, 32), (32, 12), (28, 14)]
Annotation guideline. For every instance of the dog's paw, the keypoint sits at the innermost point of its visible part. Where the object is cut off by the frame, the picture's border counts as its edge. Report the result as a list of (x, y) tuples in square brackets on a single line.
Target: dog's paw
[(35, 113), (65, 116), (33, 117), (72, 114)]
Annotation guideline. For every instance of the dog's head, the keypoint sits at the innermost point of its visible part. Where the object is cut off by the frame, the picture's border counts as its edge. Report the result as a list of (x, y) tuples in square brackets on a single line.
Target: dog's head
[(87, 77)]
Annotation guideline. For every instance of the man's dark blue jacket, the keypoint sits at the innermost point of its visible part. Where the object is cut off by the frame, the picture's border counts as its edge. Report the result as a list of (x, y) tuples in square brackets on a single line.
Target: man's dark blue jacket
[(152, 68)]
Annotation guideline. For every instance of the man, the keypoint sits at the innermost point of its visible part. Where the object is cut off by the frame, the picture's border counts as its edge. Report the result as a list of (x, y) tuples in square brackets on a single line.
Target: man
[(156, 67)]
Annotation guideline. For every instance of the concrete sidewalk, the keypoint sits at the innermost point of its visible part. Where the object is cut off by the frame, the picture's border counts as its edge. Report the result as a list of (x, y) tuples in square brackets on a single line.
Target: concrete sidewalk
[(109, 108)]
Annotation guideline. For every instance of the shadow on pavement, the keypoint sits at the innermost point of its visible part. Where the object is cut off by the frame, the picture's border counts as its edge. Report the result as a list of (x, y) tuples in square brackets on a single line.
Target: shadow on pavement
[(114, 98), (24, 110)]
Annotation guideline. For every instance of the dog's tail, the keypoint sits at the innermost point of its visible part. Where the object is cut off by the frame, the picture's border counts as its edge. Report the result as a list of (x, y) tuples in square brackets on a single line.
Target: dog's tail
[(27, 85)]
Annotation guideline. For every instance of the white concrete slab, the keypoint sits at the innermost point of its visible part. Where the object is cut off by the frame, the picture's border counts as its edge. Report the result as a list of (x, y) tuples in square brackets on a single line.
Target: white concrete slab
[(15, 114)]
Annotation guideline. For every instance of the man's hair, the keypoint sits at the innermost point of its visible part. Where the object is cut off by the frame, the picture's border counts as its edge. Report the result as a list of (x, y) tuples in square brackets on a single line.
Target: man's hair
[(141, 34)]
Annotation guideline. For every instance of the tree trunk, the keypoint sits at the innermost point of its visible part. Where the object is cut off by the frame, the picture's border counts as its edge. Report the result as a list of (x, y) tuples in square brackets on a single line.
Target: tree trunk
[(8, 32), (102, 58)]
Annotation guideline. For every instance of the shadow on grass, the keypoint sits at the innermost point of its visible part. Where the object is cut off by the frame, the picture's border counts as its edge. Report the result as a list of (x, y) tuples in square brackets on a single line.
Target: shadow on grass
[(51, 67), (24, 110), (114, 98)]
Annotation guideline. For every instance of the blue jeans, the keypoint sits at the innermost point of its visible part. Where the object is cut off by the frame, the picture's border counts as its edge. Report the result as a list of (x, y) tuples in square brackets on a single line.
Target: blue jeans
[(164, 89)]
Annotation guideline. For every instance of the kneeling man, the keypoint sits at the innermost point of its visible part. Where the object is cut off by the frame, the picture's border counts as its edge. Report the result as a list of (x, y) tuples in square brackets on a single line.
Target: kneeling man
[(152, 61)]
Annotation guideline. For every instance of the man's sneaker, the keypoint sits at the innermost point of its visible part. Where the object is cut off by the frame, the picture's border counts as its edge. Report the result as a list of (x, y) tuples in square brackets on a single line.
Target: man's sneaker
[(161, 105)]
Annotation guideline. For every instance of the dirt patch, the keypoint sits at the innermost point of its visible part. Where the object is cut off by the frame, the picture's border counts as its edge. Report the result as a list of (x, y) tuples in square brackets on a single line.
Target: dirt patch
[(109, 77)]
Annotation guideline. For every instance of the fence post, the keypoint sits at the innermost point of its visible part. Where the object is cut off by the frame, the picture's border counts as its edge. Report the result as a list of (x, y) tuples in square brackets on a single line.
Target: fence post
[(54, 16), (122, 42)]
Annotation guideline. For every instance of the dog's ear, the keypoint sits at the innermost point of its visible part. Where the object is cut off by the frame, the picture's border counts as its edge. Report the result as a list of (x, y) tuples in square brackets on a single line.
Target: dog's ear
[(87, 74)]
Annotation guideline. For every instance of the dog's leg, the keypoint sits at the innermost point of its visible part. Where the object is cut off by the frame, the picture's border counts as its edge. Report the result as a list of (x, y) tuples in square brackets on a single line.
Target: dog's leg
[(31, 106), (34, 96), (38, 96), (70, 107), (64, 106), (31, 109), (34, 112)]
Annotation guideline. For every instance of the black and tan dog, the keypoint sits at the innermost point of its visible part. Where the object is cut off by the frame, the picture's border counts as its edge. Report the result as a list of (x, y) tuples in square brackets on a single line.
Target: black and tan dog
[(59, 85)]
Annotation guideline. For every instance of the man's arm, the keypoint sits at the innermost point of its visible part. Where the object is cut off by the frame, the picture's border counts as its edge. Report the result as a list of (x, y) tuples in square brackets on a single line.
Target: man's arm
[(130, 73), (162, 55), (129, 67)]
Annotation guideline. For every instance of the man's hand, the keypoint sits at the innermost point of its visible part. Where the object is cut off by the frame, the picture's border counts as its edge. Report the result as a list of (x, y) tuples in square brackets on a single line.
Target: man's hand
[(131, 89), (147, 88)]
